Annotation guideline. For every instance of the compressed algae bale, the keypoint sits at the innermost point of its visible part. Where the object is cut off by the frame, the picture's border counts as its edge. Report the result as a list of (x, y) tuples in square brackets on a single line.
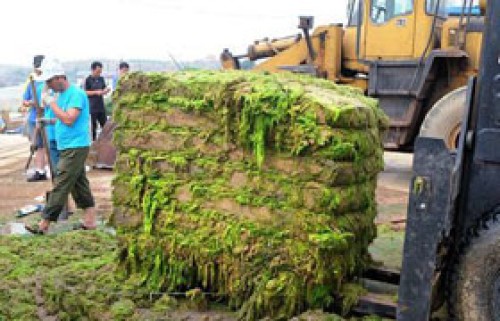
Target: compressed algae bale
[(256, 189)]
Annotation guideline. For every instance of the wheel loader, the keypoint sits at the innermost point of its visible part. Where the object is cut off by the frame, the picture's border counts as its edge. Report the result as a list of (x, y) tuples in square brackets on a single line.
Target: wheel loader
[(415, 56), (452, 246), (451, 257)]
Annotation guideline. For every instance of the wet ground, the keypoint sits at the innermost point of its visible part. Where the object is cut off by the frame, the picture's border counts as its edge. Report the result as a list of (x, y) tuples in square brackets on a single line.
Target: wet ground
[(392, 200), (16, 192)]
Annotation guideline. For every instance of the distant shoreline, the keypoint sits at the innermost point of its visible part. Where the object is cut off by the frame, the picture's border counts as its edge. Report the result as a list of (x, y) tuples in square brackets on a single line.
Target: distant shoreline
[(12, 86), (11, 97)]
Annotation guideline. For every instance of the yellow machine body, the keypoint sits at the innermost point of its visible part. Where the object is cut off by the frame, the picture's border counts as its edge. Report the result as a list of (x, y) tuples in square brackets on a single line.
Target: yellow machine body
[(437, 52)]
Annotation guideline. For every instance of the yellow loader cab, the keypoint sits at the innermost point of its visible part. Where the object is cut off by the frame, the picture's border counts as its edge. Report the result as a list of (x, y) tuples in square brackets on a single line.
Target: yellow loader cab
[(415, 56)]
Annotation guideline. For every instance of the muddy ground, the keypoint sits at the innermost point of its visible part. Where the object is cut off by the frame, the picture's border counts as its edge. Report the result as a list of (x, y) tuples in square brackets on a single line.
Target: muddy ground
[(15, 192)]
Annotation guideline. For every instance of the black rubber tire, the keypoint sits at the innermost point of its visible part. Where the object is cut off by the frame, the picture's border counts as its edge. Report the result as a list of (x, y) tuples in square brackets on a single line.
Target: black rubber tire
[(476, 288), (444, 117)]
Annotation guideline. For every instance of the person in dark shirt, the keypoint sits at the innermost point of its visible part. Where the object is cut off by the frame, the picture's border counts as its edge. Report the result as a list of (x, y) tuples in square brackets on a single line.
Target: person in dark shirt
[(96, 88)]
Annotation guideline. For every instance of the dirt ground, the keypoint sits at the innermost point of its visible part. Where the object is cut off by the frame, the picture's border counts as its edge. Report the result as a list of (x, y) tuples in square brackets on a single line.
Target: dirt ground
[(16, 192), (392, 200), (392, 189)]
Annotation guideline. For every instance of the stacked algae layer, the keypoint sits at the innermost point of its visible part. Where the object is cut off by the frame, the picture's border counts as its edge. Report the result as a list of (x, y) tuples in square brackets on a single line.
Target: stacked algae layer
[(257, 190)]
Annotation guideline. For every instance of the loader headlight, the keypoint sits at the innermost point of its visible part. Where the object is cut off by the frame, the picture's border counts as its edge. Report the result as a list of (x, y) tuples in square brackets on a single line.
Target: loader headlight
[(453, 38)]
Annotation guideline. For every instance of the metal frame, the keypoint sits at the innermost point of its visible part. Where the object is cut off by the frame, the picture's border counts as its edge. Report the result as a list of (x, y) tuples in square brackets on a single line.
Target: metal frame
[(428, 210), (481, 193), (403, 88), (450, 193)]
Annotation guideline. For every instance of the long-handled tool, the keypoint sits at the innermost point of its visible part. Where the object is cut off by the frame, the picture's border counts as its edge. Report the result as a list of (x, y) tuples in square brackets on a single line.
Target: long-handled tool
[(28, 163)]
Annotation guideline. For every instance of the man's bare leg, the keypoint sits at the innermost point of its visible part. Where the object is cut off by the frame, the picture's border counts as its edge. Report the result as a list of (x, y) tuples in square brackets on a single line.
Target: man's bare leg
[(44, 225), (71, 206), (89, 218)]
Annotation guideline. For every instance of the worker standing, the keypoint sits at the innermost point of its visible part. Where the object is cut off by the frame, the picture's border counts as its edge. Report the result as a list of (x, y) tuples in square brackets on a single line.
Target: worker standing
[(96, 89), (70, 106), (50, 130), (40, 162)]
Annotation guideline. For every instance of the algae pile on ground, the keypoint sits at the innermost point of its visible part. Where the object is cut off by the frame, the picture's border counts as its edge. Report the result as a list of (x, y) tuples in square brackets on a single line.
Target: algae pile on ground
[(254, 190), (70, 276), (73, 276)]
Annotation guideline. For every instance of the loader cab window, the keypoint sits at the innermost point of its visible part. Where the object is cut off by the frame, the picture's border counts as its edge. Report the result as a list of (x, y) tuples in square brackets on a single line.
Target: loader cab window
[(354, 15), (384, 10), (432, 7), (454, 8)]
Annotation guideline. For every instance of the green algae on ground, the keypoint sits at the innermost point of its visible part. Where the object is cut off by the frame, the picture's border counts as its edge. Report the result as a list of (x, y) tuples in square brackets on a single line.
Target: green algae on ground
[(322, 316), (388, 247), (122, 309), (72, 276), (256, 188), (75, 273), (26, 262)]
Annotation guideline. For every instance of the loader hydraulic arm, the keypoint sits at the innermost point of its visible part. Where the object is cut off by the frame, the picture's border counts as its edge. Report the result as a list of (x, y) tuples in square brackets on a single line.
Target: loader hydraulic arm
[(318, 54)]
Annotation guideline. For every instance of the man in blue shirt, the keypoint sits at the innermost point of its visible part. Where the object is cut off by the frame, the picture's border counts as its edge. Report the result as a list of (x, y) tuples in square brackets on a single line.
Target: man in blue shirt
[(72, 132), (39, 161)]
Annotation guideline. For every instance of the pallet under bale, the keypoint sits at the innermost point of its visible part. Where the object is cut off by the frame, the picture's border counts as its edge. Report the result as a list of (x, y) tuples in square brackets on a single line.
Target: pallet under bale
[(256, 190)]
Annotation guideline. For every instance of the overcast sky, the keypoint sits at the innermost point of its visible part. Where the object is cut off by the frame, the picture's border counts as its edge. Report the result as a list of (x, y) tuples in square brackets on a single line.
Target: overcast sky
[(149, 29)]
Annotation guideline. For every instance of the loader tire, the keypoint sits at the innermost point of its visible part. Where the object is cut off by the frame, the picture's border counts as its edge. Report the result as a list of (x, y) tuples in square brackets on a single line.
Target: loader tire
[(476, 288), (445, 118)]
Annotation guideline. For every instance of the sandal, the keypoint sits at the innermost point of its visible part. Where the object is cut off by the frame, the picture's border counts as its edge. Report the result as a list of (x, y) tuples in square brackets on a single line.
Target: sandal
[(81, 226), (35, 230)]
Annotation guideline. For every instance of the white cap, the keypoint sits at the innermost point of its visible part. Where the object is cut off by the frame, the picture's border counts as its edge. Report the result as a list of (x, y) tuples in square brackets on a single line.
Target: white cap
[(50, 68)]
